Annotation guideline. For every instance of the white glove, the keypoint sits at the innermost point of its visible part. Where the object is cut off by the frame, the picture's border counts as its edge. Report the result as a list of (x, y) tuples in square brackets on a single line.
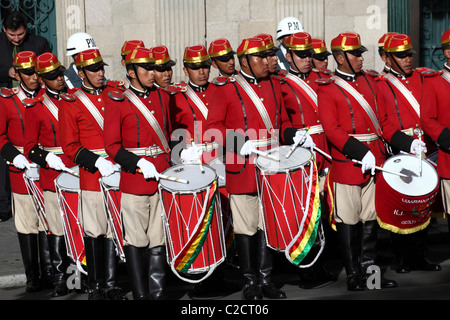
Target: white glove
[(105, 167), (148, 169), (417, 147), (54, 161), (368, 163), (247, 148), (191, 155), (20, 162), (303, 139)]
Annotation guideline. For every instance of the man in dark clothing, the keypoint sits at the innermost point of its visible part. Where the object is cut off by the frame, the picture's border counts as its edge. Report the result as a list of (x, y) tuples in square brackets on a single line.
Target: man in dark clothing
[(13, 39)]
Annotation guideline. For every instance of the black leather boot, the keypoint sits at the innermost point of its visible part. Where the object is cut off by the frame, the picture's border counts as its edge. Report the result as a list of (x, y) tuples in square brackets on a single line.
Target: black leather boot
[(264, 265), (60, 262), (137, 271), (369, 252), (45, 261), (245, 246), (93, 250), (30, 257), (349, 237), (157, 272), (112, 291)]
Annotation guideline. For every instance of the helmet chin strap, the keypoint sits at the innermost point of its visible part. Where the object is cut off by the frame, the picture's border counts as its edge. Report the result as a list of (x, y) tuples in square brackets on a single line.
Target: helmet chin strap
[(396, 63), (89, 81), (139, 81), (23, 83), (249, 66), (348, 61)]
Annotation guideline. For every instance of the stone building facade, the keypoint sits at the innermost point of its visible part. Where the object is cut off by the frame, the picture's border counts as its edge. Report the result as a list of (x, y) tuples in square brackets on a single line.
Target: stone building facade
[(180, 23)]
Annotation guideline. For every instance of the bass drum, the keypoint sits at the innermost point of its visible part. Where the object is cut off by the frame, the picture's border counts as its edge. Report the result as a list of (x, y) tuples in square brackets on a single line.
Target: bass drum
[(404, 205)]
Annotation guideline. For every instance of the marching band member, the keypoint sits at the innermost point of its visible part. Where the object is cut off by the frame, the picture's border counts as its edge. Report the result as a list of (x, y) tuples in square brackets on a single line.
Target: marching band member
[(320, 55), (235, 115), (222, 57), (136, 137), (271, 53), (300, 99), (399, 93), (346, 102), (127, 47), (42, 146), (81, 131), (382, 52), (300, 92), (32, 238), (163, 66), (435, 117), (191, 108)]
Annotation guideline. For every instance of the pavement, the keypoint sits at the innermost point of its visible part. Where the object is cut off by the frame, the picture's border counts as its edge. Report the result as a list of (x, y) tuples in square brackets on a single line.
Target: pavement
[(416, 285)]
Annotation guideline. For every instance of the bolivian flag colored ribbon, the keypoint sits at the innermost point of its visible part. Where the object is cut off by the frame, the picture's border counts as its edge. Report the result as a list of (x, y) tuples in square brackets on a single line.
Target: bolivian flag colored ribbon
[(193, 247), (299, 247)]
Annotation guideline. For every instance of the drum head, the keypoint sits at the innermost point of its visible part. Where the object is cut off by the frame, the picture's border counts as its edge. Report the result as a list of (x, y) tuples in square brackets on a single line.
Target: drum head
[(67, 181), (192, 173), (219, 165), (416, 184), (32, 173), (297, 159), (112, 181)]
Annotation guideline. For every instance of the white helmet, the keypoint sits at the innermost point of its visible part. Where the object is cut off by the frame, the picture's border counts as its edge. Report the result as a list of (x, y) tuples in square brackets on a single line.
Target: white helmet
[(289, 25), (79, 42)]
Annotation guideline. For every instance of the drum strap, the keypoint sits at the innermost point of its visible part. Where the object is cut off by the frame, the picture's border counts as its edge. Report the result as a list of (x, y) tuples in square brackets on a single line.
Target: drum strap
[(256, 101), (50, 106), (361, 101), (302, 243), (197, 101), (446, 75), (91, 108), (304, 88), (135, 101), (192, 248), (406, 94)]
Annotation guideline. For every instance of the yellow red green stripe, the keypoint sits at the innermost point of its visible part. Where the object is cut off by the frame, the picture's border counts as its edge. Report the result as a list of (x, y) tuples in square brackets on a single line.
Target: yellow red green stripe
[(193, 247)]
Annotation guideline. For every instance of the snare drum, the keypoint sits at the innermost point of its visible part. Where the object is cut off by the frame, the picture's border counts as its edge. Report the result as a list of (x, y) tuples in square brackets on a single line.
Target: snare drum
[(111, 201), (68, 193), (31, 177), (219, 166), (288, 192), (192, 222), (404, 205)]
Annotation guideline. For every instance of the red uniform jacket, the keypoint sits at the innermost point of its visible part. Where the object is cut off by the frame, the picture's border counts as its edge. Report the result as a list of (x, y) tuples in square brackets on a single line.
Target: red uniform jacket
[(127, 128), (303, 111), (342, 117), (233, 118), (435, 116), (399, 110), (188, 118), (80, 134), (42, 131), (12, 132)]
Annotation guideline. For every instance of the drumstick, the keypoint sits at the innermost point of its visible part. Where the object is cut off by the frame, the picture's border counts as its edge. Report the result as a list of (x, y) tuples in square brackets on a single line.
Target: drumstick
[(74, 173), (359, 162), (170, 178), (265, 154), (174, 179), (295, 145), (418, 132)]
